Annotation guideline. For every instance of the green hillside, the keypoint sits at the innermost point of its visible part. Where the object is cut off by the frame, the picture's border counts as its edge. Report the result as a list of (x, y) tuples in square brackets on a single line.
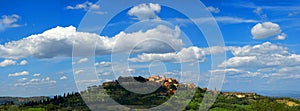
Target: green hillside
[(95, 97)]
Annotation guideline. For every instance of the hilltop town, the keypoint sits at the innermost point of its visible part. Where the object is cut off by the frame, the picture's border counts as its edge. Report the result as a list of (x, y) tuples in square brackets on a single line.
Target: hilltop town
[(170, 84)]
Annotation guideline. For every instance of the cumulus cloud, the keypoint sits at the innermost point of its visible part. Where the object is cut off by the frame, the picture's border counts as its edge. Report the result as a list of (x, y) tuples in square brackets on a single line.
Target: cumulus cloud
[(239, 61), (145, 11), (231, 72), (190, 54), (63, 78), (59, 42), (43, 81), (9, 21), (5, 63), (22, 80), (282, 73), (23, 62), (79, 71), (266, 48), (282, 36), (23, 73), (84, 6), (260, 56), (264, 60), (37, 75), (9, 62), (213, 9), (103, 64), (267, 29), (82, 60), (94, 8), (93, 81)]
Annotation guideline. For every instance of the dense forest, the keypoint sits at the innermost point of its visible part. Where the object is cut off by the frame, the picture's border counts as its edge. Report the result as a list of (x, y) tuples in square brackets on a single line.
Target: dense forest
[(104, 96)]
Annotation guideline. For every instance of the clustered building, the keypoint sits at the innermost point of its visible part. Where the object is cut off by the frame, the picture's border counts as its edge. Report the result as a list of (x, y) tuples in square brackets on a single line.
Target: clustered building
[(169, 83), (240, 94)]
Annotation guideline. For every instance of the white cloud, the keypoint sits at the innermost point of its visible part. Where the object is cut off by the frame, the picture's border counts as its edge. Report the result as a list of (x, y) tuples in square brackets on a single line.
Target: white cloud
[(59, 42), (5, 63), (103, 64), (240, 61), (82, 60), (9, 21), (9, 62), (259, 12), (84, 6), (260, 56), (43, 81), (213, 9), (63, 78), (37, 75), (105, 73), (79, 71), (87, 81), (130, 70), (263, 60), (221, 19), (231, 72), (282, 73), (266, 48), (234, 20), (172, 73), (282, 36), (107, 80), (60, 72), (22, 79), (265, 30), (216, 50), (23, 62), (145, 11), (94, 8), (190, 54), (24, 73)]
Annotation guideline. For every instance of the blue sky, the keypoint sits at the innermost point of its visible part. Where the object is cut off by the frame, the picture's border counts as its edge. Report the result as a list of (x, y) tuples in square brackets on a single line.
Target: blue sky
[(36, 37)]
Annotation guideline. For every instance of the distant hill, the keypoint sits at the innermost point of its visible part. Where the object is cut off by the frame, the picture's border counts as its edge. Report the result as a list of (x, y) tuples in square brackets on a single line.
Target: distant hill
[(20, 100), (96, 98)]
